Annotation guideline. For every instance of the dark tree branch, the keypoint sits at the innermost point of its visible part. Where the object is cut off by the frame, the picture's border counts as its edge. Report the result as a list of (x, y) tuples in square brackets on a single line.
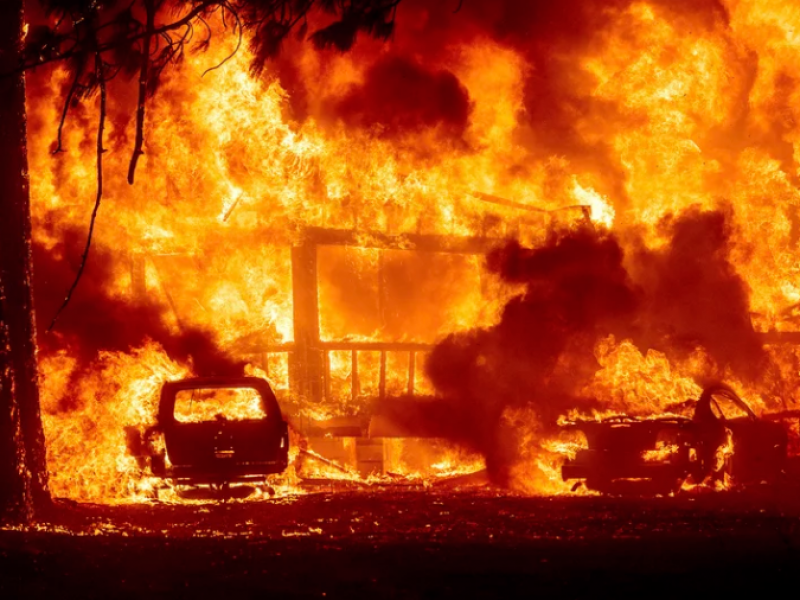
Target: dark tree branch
[(70, 95), (205, 43), (143, 77), (115, 44), (238, 43), (100, 129)]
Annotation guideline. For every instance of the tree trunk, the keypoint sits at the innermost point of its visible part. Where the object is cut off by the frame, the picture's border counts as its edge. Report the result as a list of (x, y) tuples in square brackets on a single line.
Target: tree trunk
[(20, 419), (13, 482)]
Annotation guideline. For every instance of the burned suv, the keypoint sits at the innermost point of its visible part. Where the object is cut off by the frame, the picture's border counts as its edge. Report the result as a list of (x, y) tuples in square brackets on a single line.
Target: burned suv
[(217, 431), (723, 439)]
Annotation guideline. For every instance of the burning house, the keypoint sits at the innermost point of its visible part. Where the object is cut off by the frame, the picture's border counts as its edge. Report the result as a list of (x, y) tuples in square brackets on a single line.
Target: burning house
[(435, 250)]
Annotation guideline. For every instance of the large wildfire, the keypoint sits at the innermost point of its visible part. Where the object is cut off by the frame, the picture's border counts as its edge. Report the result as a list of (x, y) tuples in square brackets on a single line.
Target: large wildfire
[(503, 217)]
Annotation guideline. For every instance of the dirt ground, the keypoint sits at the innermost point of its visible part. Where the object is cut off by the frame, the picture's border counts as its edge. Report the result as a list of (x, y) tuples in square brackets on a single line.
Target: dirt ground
[(413, 544)]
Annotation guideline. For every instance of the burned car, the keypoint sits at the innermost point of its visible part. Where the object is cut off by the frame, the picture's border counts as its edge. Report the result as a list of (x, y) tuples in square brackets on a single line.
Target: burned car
[(724, 440), (216, 431)]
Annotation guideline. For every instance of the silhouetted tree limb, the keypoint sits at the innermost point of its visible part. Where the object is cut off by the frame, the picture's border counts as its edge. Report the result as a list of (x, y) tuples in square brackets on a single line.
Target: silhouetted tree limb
[(101, 79), (150, 25), (237, 29), (70, 95)]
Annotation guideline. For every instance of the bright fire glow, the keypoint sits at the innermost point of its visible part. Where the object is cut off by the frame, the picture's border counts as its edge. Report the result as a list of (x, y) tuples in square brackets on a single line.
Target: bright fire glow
[(231, 179)]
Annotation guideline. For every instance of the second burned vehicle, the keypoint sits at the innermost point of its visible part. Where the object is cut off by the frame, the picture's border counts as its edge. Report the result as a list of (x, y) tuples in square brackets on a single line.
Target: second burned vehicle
[(723, 439)]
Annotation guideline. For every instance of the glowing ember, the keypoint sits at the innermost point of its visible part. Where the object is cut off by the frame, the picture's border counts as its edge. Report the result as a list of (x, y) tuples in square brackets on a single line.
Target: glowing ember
[(660, 454)]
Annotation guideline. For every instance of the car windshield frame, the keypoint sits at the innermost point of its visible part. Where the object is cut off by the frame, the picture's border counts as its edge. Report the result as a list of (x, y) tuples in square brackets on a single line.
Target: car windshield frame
[(203, 405), (170, 390)]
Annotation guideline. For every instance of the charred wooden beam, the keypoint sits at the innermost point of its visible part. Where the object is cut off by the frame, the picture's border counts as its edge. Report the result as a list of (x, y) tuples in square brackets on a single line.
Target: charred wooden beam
[(327, 375), (412, 241), (382, 380), (354, 383), (412, 366), (346, 346), (377, 346), (508, 203), (307, 362)]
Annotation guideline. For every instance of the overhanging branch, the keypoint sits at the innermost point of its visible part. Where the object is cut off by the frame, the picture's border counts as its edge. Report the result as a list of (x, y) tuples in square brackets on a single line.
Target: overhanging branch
[(99, 70), (143, 78)]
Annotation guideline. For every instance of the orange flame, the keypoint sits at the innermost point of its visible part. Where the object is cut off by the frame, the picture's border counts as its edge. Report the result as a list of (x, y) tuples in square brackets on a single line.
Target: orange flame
[(231, 178)]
